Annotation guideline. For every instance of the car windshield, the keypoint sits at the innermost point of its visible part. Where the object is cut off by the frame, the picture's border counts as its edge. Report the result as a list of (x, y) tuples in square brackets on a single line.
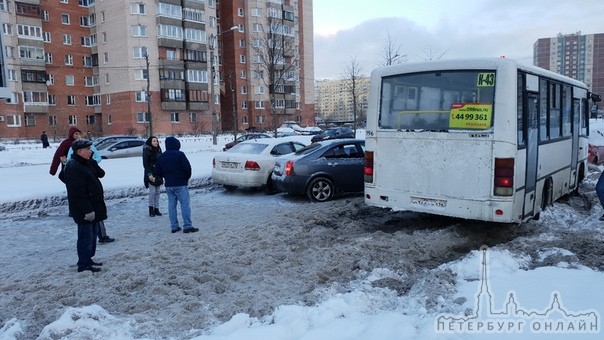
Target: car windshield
[(251, 148), (330, 132)]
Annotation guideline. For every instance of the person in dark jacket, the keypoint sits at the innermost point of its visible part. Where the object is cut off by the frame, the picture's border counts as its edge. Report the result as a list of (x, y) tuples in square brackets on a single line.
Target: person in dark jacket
[(44, 139), (60, 156), (151, 152), (175, 168), (86, 201)]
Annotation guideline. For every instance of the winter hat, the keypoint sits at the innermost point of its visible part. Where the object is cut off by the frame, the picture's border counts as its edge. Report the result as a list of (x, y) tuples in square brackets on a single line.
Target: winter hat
[(80, 144)]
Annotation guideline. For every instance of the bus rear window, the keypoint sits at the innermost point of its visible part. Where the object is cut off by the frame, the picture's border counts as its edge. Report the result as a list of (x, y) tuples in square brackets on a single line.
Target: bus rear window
[(438, 101)]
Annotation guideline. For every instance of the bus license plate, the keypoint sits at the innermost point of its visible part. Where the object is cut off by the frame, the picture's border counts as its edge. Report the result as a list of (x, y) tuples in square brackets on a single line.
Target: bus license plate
[(428, 202)]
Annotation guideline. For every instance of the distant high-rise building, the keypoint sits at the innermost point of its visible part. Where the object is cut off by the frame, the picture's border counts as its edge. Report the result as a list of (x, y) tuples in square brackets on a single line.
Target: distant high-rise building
[(574, 55), (334, 100), (118, 67)]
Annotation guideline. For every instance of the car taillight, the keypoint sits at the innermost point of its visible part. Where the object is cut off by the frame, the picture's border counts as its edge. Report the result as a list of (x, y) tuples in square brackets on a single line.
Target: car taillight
[(213, 162), (251, 165), (289, 168), (368, 166), (504, 177)]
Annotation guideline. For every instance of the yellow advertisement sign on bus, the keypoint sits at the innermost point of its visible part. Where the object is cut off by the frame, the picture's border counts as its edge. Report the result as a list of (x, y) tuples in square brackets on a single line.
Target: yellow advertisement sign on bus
[(472, 116)]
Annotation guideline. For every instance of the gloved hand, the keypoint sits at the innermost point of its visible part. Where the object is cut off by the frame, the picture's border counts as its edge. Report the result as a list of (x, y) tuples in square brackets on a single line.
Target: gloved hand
[(89, 216)]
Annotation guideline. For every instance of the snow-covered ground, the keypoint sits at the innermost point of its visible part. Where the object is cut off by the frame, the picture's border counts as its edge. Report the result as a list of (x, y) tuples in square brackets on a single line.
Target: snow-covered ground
[(152, 284)]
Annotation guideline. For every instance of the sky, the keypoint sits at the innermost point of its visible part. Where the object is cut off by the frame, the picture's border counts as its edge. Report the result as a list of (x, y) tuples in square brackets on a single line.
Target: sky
[(432, 29), (363, 312)]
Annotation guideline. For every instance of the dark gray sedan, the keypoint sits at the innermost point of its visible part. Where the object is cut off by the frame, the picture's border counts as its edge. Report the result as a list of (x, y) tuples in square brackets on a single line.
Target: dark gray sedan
[(322, 169)]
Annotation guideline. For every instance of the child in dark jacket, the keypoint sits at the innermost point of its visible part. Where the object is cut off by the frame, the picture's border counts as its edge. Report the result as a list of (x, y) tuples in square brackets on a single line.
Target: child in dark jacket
[(173, 165)]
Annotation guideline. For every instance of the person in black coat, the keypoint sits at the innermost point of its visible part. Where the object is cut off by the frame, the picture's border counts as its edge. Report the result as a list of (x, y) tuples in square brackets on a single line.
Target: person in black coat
[(44, 139), (151, 152), (86, 201)]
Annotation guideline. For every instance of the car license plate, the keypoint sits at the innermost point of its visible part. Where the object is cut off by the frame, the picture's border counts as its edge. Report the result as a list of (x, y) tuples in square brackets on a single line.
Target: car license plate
[(230, 165), (428, 202)]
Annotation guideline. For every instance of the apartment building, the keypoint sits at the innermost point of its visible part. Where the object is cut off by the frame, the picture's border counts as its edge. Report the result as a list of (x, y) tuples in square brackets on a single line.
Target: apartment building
[(334, 101), (579, 56), (136, 67)]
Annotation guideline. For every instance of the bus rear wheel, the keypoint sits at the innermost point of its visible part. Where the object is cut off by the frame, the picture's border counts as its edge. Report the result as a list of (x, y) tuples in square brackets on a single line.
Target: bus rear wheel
[(547, 194)]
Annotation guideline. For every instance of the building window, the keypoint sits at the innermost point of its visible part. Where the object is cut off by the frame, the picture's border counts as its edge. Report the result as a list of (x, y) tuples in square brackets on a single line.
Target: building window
[(142, 117), (243, 89), (106, 78), (139, 52), (240, 12), (30, 119), (244, 104), (104, 37), (90, 119), (46, 36), (139, 31), (45, 16), (197, 76), (260, 119), (71, 100), (243, 74), (259, 90), (35, 98), (12, 75), (174, 118), (65, 19), (109, 120), (140, 96), (105, 57), (73, 120), (137, 8), (259, 104), (192, 117), (69, 59), (108, 99), (242, 59), (13, 120), (66, 39), (52, 99), (48, 57), (141, 74), (244, 120), (69, 80), (52, 120)]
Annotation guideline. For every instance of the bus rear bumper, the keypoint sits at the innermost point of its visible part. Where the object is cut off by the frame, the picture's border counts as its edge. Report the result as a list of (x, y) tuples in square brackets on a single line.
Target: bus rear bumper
[(491, 210)]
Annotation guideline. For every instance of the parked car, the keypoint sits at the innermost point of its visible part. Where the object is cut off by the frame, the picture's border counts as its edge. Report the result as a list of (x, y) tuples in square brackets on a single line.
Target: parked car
[(245, 137), (322, 170), (102, 142), (333, 133), (595, 154), (249, 164), (132, 147)]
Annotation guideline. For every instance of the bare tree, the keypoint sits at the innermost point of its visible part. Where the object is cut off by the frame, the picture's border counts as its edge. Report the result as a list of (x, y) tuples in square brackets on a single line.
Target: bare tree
[(392, 53), (277, 63), (429, 54), (351, 77)]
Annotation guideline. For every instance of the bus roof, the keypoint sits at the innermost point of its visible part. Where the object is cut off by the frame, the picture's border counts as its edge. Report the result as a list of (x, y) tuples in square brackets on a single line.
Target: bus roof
[(469, 64)]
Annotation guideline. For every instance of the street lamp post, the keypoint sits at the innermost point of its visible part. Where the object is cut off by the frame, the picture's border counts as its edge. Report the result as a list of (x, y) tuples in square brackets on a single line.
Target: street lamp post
[(215, 116)]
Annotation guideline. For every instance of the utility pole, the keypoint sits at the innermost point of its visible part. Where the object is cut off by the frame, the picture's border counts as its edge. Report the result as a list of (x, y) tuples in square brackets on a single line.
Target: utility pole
[(214, 117), (234, 106), (148, 94)]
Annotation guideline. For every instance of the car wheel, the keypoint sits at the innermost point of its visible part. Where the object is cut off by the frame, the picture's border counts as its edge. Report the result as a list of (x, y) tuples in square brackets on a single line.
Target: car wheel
[(269, 188), (320, 189), (229, 187)]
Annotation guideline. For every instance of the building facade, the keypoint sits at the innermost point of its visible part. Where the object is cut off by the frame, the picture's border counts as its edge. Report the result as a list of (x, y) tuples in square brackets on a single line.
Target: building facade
[(334, 100), (579, 56), (146, 66)]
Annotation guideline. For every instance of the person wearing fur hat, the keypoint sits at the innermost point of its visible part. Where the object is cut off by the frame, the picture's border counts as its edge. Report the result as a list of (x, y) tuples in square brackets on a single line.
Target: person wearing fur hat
[(86, 201)]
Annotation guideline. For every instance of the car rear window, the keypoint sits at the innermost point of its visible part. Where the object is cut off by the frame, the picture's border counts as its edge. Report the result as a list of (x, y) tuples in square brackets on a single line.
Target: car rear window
[(308, 149), (251, 148)]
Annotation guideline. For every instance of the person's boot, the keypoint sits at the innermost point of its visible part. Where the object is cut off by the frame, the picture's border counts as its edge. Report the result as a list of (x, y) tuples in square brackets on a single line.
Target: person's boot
[(151, 211), (156, 212)]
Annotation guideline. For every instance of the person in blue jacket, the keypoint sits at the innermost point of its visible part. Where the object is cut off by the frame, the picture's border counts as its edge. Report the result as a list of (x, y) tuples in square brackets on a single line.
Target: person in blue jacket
[(173, 165)]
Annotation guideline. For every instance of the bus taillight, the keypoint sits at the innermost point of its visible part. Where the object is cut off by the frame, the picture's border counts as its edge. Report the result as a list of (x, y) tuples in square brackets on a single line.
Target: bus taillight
[(504, 176), (368, 166)]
